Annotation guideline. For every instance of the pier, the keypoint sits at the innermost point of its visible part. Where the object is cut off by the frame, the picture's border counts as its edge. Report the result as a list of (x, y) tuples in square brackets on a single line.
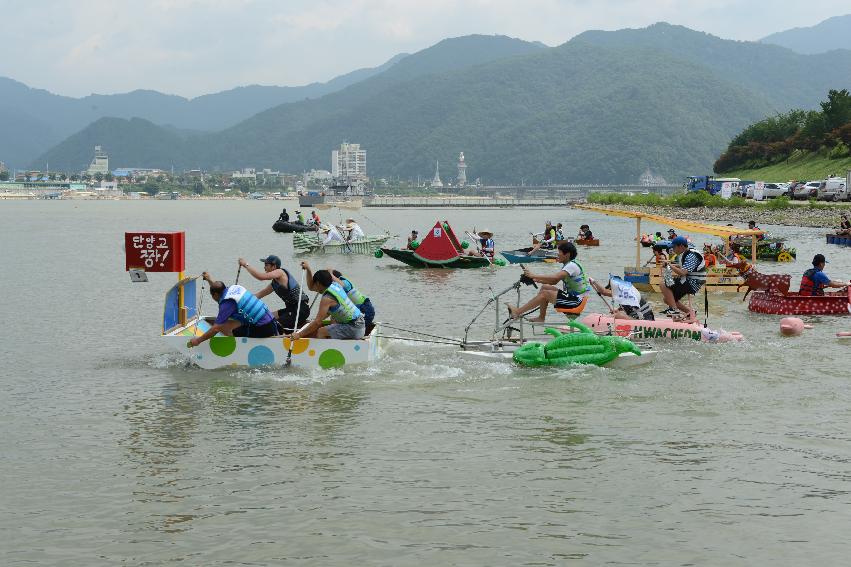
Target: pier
[(514, 196)]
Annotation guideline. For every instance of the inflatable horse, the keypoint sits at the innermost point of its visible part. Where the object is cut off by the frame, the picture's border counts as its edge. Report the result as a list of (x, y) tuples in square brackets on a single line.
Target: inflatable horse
[(757, 281)]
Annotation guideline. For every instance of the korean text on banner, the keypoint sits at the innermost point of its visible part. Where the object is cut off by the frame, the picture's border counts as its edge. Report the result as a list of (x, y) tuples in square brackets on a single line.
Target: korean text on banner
[(155, 251)]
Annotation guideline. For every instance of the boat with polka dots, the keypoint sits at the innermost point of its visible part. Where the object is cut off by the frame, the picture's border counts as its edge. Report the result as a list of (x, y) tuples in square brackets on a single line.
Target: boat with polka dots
[(183, 323), (792, 303)]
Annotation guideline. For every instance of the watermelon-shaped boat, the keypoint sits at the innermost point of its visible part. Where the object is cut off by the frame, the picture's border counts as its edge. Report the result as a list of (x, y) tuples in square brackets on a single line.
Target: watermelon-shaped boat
[(439, 249), (831, 303)]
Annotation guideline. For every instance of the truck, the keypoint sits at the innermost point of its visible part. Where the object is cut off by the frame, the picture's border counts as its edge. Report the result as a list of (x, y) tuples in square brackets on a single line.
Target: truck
[(713, 185)]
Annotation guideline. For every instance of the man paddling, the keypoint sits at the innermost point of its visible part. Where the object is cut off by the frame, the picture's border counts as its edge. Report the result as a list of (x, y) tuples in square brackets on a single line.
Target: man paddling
[(815, 280), (241, 314), (630, 304), (285, 286), (348, 322), (572, 277), (689, 272)]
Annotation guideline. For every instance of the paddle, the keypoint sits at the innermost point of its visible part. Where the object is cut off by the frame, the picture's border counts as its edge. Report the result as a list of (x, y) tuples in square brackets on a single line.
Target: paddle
[(239, 271), (475, 238), (592, 282), (295, 324)]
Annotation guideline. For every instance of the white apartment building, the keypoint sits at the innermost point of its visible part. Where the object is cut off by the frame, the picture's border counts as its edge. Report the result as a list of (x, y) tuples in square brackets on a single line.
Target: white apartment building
[(349, 163)]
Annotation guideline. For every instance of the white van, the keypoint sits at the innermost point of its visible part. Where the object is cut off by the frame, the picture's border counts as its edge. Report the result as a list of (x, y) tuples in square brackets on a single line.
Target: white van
[(833, 190)]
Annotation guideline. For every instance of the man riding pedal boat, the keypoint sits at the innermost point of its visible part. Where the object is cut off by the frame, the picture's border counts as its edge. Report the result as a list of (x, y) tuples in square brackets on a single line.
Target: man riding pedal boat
[(285, 286), (347, 319), (241, 314), (573, 280), (689, 275)]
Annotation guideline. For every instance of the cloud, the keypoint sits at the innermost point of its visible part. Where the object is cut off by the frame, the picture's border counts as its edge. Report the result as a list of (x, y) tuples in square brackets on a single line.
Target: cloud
[(192, 47)]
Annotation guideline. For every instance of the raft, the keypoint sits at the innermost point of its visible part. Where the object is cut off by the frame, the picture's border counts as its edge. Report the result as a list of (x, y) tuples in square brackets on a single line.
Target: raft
[(411, 258), (521, 256), (659, 329), (310, 243), (587, 242), (286, 226), (840, 239), (773, 249), (230, 352), (831, 303)]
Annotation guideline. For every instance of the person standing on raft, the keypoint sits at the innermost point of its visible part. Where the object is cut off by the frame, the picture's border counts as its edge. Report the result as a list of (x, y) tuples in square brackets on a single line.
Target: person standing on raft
[(241, 314), (285, 286), (815, 280), (573, 280), (689, 273)]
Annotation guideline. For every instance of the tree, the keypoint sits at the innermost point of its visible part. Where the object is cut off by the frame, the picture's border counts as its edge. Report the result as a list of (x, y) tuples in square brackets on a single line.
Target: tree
[(109, 176), (836, 109), (198, 188), (4, 176), (151, 188), (63, 177), (98, 176)]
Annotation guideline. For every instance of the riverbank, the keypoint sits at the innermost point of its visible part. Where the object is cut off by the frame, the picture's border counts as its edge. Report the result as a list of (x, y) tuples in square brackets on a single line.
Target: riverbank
[(802, 166), (821, 216)]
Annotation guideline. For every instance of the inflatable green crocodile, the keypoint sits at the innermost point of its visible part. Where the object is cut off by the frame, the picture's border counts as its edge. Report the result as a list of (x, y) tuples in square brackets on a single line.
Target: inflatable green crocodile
[(583, 347)]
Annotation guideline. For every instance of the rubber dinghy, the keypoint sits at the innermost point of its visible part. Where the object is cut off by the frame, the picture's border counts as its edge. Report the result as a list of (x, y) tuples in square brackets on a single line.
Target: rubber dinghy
[(287, 226), (660, 329)]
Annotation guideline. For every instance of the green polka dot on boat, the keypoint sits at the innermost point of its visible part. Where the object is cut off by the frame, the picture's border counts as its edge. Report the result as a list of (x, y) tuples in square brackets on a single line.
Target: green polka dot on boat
[(223, 346)]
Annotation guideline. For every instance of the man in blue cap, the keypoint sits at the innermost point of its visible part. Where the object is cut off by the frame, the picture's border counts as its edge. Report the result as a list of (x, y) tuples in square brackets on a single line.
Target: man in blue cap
[(815, 280), (285, 285), (689, 275)]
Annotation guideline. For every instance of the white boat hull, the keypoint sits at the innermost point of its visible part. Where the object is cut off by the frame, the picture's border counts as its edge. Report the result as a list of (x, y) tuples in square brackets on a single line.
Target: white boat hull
[(235, 352)]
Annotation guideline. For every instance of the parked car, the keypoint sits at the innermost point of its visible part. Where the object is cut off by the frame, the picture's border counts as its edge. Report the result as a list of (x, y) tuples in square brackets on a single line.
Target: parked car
[(833, 189), (808, 190), (772, 190), (794, 187)]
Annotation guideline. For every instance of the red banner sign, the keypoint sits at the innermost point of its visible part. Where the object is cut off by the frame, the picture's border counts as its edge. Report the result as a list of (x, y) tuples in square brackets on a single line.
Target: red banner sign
[(155, 251)]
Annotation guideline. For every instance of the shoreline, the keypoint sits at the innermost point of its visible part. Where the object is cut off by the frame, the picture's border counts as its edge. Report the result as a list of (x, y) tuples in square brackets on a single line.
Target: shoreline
[(804, 216)]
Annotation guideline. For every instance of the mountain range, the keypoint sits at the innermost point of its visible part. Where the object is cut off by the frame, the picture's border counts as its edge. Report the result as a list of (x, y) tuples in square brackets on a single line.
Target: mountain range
[(833, 33), (602, 107), (34, 119)]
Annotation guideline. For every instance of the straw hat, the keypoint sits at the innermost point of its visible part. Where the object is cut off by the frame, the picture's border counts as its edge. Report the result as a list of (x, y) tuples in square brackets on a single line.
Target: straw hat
[(486, 231)]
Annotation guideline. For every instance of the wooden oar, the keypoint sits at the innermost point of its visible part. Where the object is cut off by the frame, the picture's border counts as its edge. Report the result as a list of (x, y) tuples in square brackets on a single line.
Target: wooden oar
[(295, 325)]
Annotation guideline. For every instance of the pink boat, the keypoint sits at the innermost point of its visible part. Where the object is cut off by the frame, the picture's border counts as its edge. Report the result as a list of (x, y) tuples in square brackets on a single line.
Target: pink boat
[(831, 303), (659, 329)]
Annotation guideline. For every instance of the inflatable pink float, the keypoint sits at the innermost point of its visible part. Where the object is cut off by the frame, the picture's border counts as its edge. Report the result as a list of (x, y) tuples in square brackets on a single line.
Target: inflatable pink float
[(660, 329), (792, 326)]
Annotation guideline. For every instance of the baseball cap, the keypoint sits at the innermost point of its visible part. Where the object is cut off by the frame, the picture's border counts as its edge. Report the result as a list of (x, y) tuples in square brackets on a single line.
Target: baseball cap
[(272, 259), (679, 241), (818, 259)]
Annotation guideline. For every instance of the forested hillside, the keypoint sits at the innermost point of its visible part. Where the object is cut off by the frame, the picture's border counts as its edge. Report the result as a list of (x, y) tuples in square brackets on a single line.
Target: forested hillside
[(778, 138)]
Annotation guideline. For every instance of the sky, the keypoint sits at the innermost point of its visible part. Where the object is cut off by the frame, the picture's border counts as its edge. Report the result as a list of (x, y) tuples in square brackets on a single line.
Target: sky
[(195, 47)]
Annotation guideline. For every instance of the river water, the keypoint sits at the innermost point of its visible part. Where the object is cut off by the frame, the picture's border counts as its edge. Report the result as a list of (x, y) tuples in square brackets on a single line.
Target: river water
[(116, 452)]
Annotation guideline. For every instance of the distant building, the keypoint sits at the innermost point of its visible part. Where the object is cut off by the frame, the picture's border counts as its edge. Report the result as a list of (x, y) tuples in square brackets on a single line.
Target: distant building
[(100, 163), (318, 175), (462, 171), (436, 182), (3, 167), (348, 164), (246, 173)]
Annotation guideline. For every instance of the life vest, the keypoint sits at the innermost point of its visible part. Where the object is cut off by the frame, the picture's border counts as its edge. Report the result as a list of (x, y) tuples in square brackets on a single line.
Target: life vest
[(697, 277), (809, 285), (710, 260), (352, 292), (345, 311), (559, 235), (487, 246), (577, 285), (249, 309), (291, 294)]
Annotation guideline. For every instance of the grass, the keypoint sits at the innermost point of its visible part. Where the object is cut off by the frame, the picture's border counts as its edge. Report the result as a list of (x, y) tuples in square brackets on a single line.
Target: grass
[(801, 167)]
